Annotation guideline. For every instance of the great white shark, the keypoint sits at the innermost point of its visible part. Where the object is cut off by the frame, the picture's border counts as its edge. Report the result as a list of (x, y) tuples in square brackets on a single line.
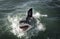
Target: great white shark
[(26, 25), (29, 20)]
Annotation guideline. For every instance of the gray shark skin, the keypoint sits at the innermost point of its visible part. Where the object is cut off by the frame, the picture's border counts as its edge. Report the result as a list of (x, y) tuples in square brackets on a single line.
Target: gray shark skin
[(29, 16), (29, 19)]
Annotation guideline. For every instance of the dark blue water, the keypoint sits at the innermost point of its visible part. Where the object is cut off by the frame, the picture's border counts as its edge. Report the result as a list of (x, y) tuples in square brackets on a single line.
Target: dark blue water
[(49, 7)]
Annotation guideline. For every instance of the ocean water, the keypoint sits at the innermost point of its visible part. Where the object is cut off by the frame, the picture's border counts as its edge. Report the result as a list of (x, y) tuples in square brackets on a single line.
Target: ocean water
[(51, 8)]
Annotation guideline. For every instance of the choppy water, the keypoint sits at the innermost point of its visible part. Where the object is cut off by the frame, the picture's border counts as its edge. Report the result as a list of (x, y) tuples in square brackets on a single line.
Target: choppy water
[(48, 7)]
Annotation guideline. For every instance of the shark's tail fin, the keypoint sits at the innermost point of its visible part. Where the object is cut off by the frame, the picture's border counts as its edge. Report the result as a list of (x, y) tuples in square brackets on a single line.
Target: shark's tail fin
[(30, 12)]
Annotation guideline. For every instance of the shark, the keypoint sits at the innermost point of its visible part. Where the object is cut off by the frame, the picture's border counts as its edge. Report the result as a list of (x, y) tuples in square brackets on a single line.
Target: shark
[(28, 22), (26, 25)]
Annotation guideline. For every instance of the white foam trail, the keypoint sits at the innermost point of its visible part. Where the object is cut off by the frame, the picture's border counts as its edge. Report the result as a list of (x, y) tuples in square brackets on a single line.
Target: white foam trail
[(38, 15), (40, 26)]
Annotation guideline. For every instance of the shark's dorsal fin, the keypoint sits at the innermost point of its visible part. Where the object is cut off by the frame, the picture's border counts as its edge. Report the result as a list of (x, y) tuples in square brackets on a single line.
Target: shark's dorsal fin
[(30, 13)]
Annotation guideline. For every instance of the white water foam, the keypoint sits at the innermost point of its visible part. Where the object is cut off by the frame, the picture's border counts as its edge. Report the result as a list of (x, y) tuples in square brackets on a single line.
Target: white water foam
[(19, 32)]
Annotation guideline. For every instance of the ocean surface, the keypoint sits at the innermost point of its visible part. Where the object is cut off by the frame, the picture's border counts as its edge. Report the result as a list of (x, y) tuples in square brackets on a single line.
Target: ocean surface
[(49, 7)]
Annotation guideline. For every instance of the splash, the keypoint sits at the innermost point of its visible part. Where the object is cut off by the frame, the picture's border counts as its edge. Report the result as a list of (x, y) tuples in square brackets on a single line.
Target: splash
[(15, 26), (19, 32)]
